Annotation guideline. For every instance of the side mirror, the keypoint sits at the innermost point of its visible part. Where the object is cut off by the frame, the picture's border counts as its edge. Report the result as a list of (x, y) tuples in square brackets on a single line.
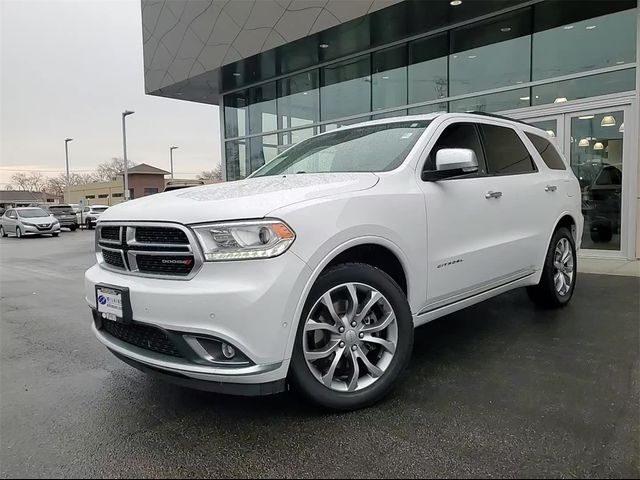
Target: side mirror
[(452, 162)]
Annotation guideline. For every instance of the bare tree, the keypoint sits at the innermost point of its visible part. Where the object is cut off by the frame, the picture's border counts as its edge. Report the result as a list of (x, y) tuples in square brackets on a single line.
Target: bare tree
[(108, 171), (32, 182), (214, 175)]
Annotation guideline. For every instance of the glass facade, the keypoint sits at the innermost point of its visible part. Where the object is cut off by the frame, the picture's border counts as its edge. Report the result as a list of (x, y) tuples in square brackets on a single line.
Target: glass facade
[(551, 52)]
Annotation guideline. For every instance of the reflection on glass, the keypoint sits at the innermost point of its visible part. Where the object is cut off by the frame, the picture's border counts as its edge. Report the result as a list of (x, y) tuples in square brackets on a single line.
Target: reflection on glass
[(395, 113), (605, 41), (236, 159), (344, 123), (428, 69), (389, 79), (433, 108), (596, 159), (491, 54), (235, 114), (262, 109), (298, 100), (496, 102), (603, 84), (549, 126), (346, 88), (263, 150), (296, 136)]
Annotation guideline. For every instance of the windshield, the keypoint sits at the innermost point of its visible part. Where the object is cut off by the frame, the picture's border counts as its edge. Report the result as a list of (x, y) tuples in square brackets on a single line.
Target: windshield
[(61, 209), (98, 209), (372, 148), (32, 213)]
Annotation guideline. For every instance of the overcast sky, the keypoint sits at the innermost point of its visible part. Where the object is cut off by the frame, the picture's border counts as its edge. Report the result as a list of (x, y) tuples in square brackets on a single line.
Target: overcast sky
[(68, 69)]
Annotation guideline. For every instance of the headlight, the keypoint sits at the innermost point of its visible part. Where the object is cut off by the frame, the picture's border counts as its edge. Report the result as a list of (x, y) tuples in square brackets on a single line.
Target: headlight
[(29, 224), (244, 240)]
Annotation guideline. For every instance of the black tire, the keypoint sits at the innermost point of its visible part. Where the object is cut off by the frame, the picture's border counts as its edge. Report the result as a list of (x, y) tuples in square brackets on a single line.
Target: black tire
[(3, 234), (545, 294), (18, 232), (304, 381), (73, 228), (55, 234), (601, 233), (88, 224)]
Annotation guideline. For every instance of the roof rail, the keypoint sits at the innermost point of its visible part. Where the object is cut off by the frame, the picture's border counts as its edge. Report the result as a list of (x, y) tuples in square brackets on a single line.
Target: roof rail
[(501, 117)]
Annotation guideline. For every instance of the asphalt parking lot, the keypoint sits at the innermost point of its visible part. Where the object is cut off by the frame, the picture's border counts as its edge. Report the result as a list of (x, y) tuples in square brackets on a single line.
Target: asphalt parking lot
[(498, 390)]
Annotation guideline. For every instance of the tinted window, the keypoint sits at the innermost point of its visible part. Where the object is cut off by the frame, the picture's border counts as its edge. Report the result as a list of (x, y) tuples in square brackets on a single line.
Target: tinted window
[(506, 154), (547, 151), (458, 135), (32, 213)]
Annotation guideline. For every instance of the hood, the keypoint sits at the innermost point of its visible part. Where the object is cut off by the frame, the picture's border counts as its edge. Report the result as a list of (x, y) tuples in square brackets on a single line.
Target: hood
[(38, 220), (243, 199)]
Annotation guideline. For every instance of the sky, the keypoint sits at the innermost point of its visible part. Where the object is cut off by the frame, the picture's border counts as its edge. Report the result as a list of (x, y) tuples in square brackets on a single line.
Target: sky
[(69, 69)]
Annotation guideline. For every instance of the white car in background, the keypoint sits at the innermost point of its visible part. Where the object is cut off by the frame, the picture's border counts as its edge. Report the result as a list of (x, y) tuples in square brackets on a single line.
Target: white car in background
[(28, 221), (89, 215), (316, 269)]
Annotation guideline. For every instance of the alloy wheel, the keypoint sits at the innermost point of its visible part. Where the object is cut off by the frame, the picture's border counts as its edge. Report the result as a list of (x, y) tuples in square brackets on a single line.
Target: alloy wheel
[(563, 267), (18, 232), (350, 337)]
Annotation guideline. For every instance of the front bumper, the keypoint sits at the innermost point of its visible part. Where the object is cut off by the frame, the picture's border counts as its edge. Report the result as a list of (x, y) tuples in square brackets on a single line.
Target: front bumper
[(32, 230), (249, 304)]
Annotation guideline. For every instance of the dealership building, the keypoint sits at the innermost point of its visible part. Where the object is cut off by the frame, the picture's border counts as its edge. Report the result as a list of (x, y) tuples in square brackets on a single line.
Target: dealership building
[(284, 70)]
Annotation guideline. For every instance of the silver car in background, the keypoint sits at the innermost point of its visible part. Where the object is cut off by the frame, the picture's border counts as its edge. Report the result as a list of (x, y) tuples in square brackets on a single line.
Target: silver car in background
[(28, 221)]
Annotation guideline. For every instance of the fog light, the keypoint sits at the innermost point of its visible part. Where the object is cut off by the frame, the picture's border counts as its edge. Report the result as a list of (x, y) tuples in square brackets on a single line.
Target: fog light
[(228, 351)]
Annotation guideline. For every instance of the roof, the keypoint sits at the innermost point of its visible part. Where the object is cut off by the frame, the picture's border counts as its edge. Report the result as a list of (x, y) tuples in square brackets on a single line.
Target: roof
[(17, 196), (147, 169)]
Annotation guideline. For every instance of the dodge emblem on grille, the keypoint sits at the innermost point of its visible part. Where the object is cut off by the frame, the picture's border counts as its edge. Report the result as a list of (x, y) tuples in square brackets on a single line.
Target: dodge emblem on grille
[(186, 262)]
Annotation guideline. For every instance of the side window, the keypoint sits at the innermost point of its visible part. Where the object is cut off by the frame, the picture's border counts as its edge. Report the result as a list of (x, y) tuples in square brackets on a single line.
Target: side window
[(506, 154), (458, 135), (547, 151)]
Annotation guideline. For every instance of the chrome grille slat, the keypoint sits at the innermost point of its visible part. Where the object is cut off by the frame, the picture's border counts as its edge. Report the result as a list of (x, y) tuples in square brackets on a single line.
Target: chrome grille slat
[(160, 254)]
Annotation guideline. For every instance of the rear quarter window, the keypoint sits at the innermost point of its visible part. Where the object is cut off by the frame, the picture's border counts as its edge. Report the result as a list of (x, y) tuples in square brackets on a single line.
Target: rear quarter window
[(547, 151)]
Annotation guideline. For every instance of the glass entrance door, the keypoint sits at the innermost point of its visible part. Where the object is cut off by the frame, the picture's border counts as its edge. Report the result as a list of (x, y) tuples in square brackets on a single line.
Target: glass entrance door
[(595, 149)]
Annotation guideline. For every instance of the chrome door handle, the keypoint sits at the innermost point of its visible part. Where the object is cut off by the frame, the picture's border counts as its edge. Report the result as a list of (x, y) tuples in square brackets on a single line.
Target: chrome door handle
[(491, 195), (550, 188)]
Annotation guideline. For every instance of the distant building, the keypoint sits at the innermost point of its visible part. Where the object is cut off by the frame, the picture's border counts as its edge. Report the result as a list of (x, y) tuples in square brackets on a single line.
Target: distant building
[(21, 198), (143, 180)]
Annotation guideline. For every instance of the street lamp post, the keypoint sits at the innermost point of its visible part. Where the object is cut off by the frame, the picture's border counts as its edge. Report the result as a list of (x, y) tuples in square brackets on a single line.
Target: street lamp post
[(66, 154), (171, 149), (124, 148)]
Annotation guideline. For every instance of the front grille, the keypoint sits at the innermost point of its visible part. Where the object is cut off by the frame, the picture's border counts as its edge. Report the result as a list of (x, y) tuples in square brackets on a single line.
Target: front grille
[(166, 265), (143, 336), (152, 250), (113, 258), (44, 227), (161, 235), (110, 233)]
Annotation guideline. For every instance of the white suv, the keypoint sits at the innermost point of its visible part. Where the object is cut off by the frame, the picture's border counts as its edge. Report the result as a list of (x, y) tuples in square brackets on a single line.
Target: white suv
[(316, 269)]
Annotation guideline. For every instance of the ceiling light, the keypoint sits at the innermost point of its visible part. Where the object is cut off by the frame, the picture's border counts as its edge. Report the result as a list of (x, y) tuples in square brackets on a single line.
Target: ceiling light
[(621, 129), (524, 99), (473, 56), (551, 133), (568, 27), (620, 62), (455, 3), (537, 96), (385, 78), (236, 74), (583, 143), (598, 146), (455, 56), (590, 27), (560, 100), (519, 81), (324, 45), (586, 117), (505, 29), (608, 121)]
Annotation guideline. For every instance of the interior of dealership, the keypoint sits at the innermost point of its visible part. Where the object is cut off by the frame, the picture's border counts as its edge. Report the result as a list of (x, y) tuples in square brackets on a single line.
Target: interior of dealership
[(567, 67)]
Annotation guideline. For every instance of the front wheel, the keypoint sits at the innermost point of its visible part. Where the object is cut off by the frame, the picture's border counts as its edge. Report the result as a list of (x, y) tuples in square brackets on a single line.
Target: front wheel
[(559, 274), (55, 234), (18, 232), (354, 340)]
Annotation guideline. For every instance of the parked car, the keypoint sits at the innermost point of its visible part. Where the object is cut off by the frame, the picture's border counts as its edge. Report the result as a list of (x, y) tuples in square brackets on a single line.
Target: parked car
[(28, 221), (90, 214), (64, 214), (180, 184), (316, 269), (604, 200)]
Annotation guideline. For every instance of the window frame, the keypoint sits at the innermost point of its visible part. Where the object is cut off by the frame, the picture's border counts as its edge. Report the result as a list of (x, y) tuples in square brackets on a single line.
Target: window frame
[(482, 161)]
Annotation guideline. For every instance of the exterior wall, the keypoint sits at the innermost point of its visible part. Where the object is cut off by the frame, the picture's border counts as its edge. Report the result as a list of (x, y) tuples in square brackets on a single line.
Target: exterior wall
[(138, 182), (84, 192), (186, 38)]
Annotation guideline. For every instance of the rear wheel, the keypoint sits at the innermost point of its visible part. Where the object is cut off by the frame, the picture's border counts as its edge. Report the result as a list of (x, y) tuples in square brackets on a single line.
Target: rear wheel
[(559, 274), (354, 340), (18, 232), (2, 232), (88, 224)]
